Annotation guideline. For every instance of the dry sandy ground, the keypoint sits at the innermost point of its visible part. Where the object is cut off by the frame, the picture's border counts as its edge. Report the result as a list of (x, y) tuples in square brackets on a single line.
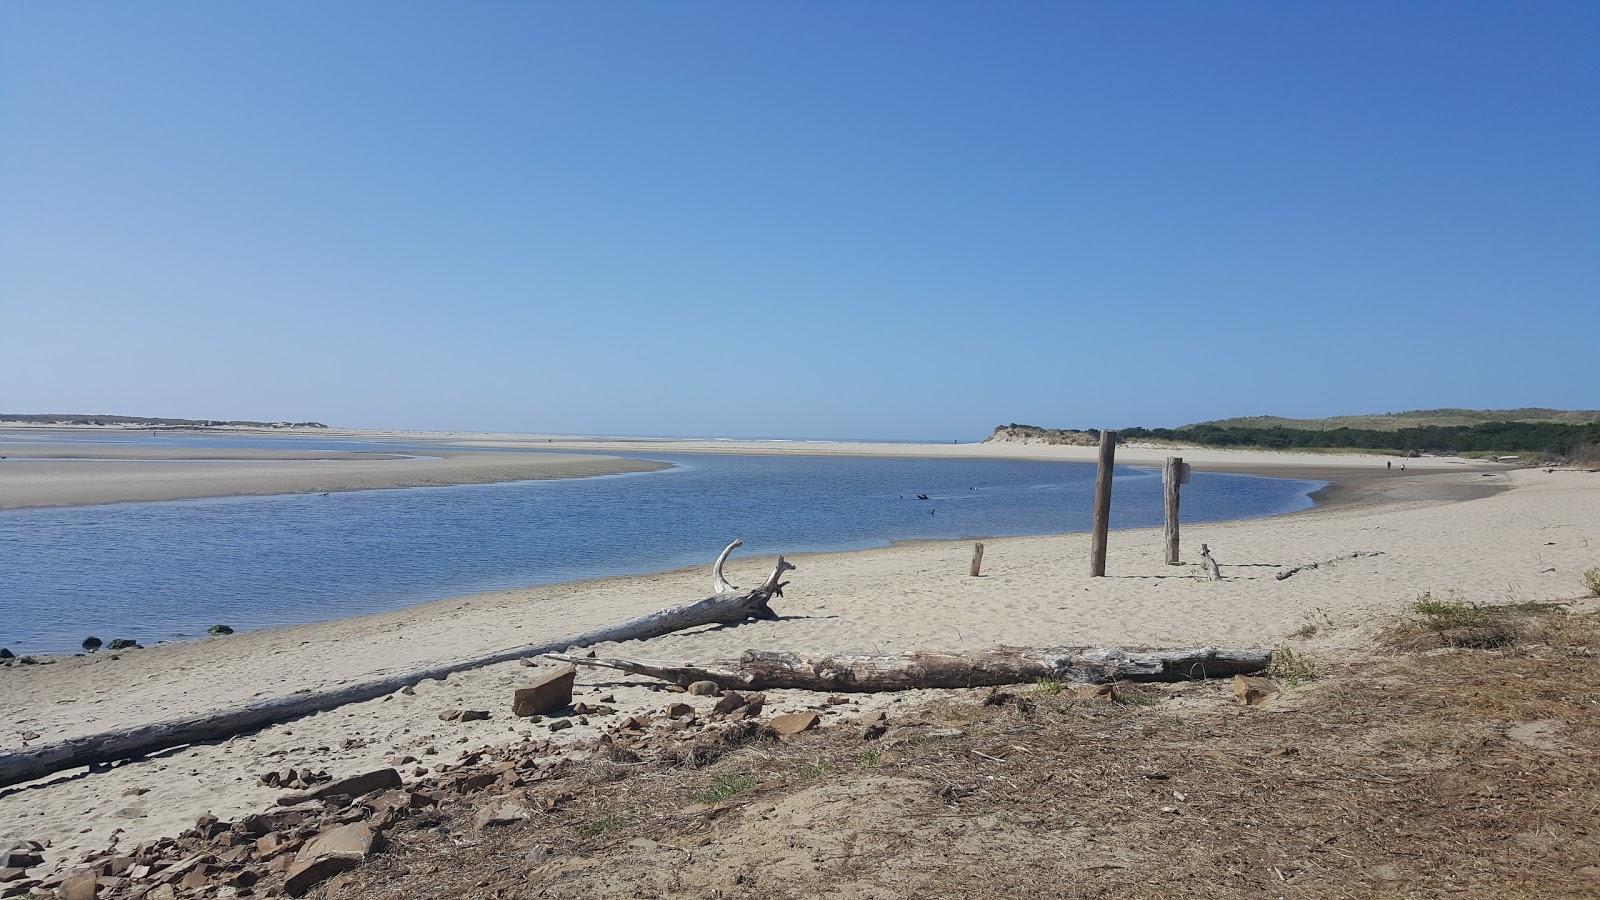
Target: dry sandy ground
[(80, 474), (1530, 542)]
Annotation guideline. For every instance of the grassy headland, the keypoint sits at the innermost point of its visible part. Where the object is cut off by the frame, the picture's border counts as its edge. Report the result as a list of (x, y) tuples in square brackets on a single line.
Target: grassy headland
[(1541, 433)]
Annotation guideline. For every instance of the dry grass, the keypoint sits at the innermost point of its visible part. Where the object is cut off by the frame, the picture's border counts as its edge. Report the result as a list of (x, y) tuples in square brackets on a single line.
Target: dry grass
[(1436, 771)]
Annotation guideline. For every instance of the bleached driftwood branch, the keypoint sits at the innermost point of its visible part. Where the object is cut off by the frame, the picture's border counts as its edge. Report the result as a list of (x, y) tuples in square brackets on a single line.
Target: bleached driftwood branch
[(865, 673), (28, 763), (1290, 573)]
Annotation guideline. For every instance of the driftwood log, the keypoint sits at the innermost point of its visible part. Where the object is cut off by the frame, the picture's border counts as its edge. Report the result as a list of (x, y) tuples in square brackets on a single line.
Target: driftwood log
[(863, 673), (1290, 573), (29, 763)]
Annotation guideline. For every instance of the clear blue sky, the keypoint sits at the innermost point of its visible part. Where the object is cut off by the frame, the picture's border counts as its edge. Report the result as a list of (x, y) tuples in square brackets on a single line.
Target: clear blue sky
[(823, 219)]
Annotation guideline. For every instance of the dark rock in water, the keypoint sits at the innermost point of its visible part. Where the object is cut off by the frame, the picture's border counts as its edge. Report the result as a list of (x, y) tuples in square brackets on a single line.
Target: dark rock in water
[(91, 644), (123, 644), (6, 654), (219, 629)]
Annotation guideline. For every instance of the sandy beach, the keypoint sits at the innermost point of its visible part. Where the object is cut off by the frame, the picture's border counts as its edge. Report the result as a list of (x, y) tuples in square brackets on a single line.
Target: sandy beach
[(1527, 541), (35, 474)]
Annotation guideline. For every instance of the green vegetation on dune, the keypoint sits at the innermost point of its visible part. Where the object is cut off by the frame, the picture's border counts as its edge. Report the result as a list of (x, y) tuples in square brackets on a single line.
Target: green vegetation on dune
[(1553, 439), (1416, 418)]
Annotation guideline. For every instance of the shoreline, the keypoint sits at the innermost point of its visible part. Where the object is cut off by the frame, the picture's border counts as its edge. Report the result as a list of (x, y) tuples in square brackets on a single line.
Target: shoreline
[(1528, 543)]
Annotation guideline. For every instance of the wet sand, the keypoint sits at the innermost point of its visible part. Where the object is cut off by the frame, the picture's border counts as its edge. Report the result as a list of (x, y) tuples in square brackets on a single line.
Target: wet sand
[(78, 474)]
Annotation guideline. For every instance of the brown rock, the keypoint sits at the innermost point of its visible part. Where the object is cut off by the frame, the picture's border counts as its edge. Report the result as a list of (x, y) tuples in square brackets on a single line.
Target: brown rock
[(304, 876), (78, 886), (354, 786), (679, 711), (268, 844), (705, 689), (13, 874), (507, 811), (355, 842), (794, 723), (731, 700), (449, 715), (1252, 690), (551, 692), (558, 724), (20, 858)]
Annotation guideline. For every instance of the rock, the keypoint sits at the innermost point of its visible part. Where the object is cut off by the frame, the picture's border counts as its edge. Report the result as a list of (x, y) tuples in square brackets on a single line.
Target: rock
[(123, 644), (354, 786), (304, 876), (269, 844), (354, 841), (1252, 690), (558, 724), (794, 723), (551, 692), (78, 886), (6, 654), (507, 811), (219, 629), (731, 700), (23, 857), (91, 644), (679, 711), (473, 715), (7, 875), (449, 715), (705, 689)]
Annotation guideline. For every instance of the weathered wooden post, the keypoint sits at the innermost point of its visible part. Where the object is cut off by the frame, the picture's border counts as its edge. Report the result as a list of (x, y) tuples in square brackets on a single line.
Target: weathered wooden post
[(1172, 476), (1102, 503), (977, 560)]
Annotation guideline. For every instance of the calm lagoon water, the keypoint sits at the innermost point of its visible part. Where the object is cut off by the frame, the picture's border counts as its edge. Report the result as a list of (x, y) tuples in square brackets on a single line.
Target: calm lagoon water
[(160, 571)]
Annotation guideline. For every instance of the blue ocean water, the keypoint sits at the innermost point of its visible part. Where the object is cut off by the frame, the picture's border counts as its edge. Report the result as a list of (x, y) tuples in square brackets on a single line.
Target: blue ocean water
[(160, 571)]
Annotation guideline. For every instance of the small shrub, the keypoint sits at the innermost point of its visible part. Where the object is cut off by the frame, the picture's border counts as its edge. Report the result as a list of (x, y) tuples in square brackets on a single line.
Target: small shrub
[(1126, 695), (870, 757), (1591, 580), (598, 827), (1050, 685), (811, 770), (725, 786), (1456, 623), (1291, 667)]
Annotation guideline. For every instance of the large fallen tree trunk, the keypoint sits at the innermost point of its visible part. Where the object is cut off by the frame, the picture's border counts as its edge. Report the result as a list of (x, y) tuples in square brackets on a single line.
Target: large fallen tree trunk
[(863, 673), (28, 763)]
